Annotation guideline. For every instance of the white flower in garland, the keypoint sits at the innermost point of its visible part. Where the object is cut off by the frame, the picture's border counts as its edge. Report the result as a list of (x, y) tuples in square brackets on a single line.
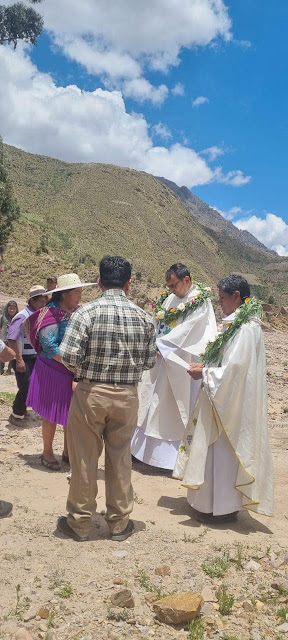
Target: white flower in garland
[(160, 315), (181, 306)]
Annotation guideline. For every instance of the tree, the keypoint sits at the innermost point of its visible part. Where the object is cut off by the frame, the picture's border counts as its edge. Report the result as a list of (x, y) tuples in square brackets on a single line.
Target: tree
[(9, 210), (20, 23)]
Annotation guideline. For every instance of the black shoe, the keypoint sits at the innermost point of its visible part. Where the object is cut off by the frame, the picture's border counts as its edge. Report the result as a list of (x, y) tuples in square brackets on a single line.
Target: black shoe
[(17, 422), (65, 458), (5, 509), (63, 526), (123, 535), (208, 518)]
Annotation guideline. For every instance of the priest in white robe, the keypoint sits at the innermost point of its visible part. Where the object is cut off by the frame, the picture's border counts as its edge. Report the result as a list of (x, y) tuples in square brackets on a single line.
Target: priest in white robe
[(224, 459), (166, 394)]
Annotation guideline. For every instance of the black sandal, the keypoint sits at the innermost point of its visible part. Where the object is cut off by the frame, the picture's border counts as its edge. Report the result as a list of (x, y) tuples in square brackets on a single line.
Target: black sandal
[(52, 465)]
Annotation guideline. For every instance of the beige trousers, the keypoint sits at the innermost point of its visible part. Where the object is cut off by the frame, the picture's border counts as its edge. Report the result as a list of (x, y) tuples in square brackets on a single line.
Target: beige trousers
[(101, 414)]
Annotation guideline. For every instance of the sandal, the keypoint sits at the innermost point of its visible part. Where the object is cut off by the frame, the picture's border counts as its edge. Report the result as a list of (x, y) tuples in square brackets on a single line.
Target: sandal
[(52, 465)]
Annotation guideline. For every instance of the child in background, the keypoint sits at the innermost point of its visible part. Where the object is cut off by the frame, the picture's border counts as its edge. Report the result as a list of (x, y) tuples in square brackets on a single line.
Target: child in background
[(8, 313)]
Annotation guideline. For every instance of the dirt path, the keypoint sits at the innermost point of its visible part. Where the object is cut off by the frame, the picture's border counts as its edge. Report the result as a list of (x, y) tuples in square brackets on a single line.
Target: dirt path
[(44, 564)]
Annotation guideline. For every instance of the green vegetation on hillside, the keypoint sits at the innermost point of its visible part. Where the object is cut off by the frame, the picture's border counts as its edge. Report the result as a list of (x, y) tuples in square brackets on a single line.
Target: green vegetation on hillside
[(73, 214), (9, 210)]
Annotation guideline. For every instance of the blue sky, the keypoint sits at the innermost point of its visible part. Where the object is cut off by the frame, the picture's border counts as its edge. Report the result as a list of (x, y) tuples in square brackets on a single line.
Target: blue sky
[(194, 91)]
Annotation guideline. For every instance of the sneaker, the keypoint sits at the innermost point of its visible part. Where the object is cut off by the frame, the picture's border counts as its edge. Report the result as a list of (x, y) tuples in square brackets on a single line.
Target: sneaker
[(63, 526), (5, 509), (123, 535)]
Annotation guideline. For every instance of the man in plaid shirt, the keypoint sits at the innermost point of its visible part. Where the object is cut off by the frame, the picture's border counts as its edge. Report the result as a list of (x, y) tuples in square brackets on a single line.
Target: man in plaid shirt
[(108, 344)]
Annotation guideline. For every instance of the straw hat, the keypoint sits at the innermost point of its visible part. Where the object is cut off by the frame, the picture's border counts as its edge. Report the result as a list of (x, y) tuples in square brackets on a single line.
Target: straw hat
[(38, 290), (71, 281)]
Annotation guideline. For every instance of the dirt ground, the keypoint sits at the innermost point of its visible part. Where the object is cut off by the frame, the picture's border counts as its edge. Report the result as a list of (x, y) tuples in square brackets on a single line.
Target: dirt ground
[(73, 582)]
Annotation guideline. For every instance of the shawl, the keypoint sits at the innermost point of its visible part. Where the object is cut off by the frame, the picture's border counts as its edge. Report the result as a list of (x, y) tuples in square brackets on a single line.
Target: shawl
[(44, 317)]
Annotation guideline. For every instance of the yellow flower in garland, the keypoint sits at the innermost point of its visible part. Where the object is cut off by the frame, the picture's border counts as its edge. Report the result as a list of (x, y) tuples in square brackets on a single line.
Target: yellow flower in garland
[(198, 295), (247, 300), (172, 310), (173, 323)]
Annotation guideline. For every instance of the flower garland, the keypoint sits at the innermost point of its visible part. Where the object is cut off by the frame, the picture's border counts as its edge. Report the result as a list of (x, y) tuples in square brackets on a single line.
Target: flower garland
[(170, 316), (251, 308)]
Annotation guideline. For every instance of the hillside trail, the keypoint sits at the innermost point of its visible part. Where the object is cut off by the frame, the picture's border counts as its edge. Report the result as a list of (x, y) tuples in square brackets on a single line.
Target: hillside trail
[(41, 561)]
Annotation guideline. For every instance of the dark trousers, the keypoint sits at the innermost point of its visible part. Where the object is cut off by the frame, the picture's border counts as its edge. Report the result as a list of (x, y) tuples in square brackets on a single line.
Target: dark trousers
[(22, 379)]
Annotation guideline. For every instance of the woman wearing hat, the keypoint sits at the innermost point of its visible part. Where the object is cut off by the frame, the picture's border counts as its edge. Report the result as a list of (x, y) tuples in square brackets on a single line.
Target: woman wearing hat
[(51, 383)]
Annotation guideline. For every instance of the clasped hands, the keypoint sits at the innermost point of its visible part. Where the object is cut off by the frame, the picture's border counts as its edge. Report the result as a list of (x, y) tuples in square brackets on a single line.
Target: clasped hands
[(195, 370)]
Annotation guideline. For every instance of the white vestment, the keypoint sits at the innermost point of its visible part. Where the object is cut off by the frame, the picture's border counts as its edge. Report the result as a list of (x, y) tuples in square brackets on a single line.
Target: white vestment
[(166, 395), (225, 453)]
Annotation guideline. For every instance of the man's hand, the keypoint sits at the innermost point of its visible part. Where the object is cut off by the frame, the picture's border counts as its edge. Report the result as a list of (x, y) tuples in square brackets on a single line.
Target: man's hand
[(195, 370), (74, 385), (20, 365)]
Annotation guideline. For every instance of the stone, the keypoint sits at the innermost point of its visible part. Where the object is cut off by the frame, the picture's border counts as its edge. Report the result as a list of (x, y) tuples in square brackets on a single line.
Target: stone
[(282, 583), (208, 595), (150, 597), (180, 607), (163, 571), (118, 581), (43, 613), (22, 634), (29, 615), (283, 627), (207, 609), (247, 605), (252, 566), (123, 598), (281, 559), (259, 605)]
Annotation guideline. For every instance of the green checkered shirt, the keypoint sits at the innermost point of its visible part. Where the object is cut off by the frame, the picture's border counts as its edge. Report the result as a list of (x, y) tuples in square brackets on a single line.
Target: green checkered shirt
[(110, 340)]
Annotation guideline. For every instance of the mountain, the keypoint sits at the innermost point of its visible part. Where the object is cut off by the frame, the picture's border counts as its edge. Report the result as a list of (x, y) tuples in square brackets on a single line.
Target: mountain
[(211, 218), (73, 214)]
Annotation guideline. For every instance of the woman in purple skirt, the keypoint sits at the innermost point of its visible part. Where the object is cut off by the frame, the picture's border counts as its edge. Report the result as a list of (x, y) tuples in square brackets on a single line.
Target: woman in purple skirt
[(51, 384)]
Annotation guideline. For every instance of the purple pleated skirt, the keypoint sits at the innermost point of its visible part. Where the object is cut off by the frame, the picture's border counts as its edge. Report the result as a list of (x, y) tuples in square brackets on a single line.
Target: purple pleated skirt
[(50, 390)]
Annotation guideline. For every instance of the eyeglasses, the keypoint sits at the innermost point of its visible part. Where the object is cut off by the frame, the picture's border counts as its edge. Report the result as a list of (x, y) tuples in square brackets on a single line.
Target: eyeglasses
[(173, 286)]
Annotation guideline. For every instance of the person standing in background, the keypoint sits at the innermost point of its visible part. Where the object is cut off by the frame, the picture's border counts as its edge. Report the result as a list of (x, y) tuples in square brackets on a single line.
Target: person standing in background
[(25, 354), (51, 283)]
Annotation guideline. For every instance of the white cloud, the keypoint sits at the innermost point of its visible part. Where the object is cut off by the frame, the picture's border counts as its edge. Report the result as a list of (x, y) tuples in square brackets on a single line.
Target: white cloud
[(118, 41), (235, 178), (200, 100), (162, 131), (244, 44), (271, 230), (88, 126), (213, 152), (140, 89), (178, 90)]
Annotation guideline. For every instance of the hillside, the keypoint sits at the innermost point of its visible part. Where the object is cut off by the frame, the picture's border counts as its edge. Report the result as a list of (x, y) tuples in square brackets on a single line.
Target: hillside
[(211, 218), (73, 214)]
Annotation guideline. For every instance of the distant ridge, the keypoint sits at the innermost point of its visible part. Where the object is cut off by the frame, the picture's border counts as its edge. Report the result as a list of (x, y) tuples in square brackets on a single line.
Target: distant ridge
[(211, 218)]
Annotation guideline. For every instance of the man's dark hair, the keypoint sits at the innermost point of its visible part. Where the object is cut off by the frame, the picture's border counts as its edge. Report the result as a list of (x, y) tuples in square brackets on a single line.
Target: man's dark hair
[(180, 270), (52, 279), (233, 283), (114, 271)]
